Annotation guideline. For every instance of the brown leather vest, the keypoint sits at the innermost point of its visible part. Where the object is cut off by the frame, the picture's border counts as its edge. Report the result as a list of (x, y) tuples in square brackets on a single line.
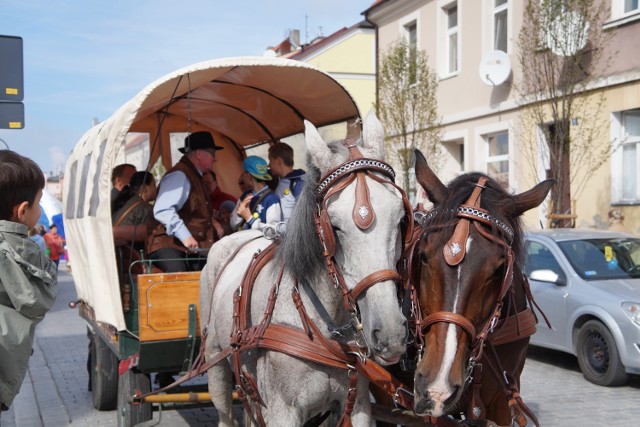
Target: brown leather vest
[(196, 214)]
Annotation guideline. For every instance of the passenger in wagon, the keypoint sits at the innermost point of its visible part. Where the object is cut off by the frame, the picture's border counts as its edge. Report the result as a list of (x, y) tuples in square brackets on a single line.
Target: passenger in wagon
[(120, 177), (290, 180), (259, 205), (217, 195), (133, 210), (183, 212), (226, 209), (244, 182)]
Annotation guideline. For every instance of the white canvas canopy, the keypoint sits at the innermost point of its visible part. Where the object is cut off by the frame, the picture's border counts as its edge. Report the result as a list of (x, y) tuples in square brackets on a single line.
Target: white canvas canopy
[(242, 101)]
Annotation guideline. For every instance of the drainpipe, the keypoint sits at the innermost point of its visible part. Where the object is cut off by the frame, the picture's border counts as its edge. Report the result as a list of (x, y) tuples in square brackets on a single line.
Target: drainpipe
[(375, 26)]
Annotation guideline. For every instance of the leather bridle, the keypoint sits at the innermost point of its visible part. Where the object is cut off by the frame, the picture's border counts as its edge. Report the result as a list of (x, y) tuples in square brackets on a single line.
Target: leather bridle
[(493, 331), (356, 168), (454, 252)]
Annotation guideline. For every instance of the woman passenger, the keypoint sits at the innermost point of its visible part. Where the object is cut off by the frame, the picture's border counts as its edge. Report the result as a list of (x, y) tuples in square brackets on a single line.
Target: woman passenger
[(133, 209)]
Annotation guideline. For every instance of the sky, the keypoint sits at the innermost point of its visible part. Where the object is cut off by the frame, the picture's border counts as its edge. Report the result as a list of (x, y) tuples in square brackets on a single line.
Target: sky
[(83, 59)]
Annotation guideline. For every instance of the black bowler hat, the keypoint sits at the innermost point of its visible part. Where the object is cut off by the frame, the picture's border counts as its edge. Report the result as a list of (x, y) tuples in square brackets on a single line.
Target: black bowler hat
[(199, 141)]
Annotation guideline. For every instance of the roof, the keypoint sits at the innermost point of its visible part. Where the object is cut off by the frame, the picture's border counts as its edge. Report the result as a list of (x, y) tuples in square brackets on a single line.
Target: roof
[(242, 101), (325, 41)]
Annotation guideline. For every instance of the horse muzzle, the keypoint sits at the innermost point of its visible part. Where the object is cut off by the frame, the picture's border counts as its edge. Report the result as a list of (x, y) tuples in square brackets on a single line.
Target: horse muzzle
[(436, 398)]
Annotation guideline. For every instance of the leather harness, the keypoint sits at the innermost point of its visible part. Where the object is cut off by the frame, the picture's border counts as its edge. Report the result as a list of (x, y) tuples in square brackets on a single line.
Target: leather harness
[(494, 331), (311, 345)]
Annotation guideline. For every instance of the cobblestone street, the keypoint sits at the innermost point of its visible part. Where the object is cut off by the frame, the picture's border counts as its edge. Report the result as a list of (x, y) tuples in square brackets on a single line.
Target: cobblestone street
[(55, 390)]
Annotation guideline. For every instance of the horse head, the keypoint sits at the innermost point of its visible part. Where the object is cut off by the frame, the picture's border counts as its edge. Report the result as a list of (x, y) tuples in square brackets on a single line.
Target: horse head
[(469, 244), (358, 211)]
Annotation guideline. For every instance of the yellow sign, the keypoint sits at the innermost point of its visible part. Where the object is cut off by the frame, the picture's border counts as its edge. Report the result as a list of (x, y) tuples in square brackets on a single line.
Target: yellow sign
[(15, 125), (11, 91), (608, 253)]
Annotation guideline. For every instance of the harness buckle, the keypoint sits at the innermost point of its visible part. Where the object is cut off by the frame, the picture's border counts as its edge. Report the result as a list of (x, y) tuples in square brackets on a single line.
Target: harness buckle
[(399, 390), (493, 323)]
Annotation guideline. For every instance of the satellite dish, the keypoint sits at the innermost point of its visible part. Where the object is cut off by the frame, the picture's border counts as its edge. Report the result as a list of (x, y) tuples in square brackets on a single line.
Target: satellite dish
[(269, 53), (567, 34), (495, 68)]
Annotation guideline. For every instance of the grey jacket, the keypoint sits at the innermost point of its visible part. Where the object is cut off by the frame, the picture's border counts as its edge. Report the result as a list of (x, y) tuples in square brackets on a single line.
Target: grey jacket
[(28, 288)]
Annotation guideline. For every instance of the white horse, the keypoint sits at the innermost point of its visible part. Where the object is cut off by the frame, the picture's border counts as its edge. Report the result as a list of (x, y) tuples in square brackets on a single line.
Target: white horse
[(295, 390)]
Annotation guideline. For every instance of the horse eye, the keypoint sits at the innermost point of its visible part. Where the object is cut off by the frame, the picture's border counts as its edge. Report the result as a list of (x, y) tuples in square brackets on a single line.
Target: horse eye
[(423, 258)]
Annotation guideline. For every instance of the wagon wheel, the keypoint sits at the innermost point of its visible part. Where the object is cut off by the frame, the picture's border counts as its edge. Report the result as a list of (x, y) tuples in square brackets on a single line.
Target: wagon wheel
[(128, 414), (103, 368), (598, 355)]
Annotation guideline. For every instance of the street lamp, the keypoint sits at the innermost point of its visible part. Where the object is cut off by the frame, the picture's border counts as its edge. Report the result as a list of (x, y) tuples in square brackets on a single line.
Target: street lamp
[(5, 144)]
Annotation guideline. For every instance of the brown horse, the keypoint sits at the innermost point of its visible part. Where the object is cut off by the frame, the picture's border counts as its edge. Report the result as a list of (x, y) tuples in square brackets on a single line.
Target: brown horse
[(469, 357)]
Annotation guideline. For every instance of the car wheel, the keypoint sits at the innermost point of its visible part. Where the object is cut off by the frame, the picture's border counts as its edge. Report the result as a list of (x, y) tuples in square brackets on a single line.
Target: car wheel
[(598, 355)]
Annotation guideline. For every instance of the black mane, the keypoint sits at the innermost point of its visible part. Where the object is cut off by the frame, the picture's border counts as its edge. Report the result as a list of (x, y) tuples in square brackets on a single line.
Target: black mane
[(300, 249)]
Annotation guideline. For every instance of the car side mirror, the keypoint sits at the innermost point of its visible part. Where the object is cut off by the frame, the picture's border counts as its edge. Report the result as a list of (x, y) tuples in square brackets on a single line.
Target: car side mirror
[(548, 276)]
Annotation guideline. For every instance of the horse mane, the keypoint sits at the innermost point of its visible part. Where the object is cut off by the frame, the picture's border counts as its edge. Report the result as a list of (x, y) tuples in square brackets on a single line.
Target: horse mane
[(300, 250), (494, 199)]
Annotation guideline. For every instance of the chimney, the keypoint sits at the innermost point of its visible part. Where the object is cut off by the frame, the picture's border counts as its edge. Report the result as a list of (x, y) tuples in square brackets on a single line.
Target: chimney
[(294, 38)]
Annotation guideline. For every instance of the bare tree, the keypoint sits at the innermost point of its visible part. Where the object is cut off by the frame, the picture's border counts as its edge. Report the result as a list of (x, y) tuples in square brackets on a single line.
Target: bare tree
[(408, 108), (562, 52)]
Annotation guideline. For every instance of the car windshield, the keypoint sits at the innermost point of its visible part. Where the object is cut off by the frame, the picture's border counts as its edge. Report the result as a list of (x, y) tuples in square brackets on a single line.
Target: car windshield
[(598, 259)]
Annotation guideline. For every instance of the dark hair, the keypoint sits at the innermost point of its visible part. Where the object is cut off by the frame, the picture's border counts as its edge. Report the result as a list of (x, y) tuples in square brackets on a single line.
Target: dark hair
[(283, 151), (138, 179), (118, 171), (20, 180)]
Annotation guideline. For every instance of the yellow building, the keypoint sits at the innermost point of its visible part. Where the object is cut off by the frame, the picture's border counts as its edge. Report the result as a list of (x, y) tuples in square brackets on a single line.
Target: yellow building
[(348, 55)]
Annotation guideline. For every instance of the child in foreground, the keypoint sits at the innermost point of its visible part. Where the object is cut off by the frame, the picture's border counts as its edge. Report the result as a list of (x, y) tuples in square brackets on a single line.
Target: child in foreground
[(28, 283)]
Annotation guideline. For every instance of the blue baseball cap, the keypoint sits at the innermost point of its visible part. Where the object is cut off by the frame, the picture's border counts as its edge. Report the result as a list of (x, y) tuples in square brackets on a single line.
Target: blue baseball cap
[(257, 167)]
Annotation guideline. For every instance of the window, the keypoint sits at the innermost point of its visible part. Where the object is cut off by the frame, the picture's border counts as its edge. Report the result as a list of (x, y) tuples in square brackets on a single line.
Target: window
[(625, 10), (498, 157), (626, 160), (500, 15), (452, 38), (411, 30), (411, 33), (630, 6)]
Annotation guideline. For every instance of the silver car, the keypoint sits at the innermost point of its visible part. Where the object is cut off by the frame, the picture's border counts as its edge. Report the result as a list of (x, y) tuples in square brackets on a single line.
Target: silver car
[(587, 282)]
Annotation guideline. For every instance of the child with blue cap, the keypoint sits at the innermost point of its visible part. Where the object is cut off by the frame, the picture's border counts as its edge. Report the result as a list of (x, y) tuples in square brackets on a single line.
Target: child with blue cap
[(260, 205)]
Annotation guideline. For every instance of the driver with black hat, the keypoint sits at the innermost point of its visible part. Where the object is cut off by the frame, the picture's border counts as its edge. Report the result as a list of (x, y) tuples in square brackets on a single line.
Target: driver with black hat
[(182, 209)]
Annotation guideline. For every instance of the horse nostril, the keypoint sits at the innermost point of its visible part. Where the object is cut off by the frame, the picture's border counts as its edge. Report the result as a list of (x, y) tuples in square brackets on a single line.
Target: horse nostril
[(452, 399), (377, 343)]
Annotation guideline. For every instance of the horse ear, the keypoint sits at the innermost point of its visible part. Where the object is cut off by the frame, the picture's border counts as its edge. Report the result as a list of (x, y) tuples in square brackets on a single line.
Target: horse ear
[(522, 202), (373, 136), (318, 149), (436, 191)]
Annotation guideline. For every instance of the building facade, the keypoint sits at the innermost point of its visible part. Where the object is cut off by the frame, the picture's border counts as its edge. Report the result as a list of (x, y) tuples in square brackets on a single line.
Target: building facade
[(482, 111)]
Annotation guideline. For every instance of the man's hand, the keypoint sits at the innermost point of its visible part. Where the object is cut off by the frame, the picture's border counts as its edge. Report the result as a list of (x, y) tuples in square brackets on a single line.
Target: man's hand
[(190, 243), (243, 208)]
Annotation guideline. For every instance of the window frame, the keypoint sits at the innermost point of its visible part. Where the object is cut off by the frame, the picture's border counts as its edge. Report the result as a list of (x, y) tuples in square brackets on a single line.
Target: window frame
[(499, 157), (617, 9), (450, 32), (619, 135), (495, 11), (443, 38)]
